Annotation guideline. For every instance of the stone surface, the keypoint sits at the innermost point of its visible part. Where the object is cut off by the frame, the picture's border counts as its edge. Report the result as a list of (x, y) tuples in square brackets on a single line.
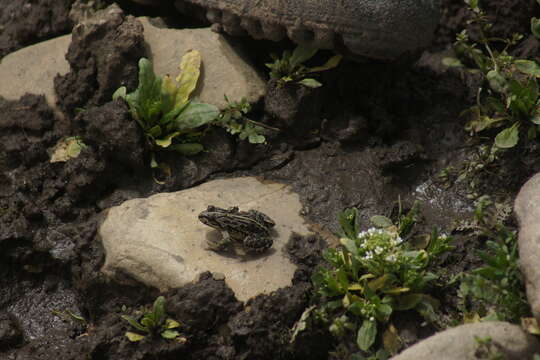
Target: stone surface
[(224, 72), (32, 69), (379, 29), (459, 343), (160, 241), (527, 208)]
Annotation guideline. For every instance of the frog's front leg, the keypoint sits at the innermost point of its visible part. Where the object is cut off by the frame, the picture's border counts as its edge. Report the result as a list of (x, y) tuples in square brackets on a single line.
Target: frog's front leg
[(257, 243), (222, 244)]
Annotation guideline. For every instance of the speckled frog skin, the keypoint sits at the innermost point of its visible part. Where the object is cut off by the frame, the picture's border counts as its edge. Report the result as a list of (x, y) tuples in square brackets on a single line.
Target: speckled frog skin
[(377, 29), (250, 228)]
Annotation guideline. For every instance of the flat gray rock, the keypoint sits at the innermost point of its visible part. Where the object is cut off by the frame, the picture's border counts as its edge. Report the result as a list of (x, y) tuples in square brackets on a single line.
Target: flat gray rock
[(224, 72), (32, 69), (527, 208), (160, 241), (459, 343)]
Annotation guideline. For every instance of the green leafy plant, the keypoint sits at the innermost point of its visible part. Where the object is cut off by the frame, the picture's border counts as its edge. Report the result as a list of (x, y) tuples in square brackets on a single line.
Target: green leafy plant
[(373, 274), (495, 289), (154, 323), (487, 350), (290, 67), (234, 119), (511, 100), (162, 107)]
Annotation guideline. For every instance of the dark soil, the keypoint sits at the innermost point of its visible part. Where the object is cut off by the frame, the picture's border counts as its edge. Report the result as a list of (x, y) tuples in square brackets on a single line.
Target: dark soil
[(373, 134)]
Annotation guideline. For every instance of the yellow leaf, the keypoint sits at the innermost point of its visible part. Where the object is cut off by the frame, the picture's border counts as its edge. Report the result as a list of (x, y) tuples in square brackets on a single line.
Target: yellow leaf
[(134, 337), (168, 85), (189, 75), (366, 276), (171, 324), (469, 318), (355, 287), (530, 325), (391, 340), (379, 282), (396, 291)]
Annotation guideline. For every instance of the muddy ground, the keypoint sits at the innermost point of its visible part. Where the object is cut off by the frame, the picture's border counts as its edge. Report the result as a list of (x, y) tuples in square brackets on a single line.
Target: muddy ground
[(385, 135)]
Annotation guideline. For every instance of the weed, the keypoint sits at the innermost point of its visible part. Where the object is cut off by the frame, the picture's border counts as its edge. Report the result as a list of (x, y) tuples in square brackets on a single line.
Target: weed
[(290, 67), (233, 118), (511, 100), (69, 315), (154, 322), (495, 289), (375, 273), (487, 350), (162, 108)]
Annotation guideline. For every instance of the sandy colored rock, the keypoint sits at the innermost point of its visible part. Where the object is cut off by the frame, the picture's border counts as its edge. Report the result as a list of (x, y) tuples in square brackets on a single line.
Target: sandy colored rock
[(160, 241), (33, 68), (527, 208), (459, 343), (224, 72)]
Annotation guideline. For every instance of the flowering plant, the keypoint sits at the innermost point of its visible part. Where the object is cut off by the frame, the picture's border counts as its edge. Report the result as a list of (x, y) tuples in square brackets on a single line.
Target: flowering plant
[(375, 273)]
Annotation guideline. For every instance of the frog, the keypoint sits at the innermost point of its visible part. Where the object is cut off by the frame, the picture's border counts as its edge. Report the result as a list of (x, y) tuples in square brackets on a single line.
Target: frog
[(248, 228)]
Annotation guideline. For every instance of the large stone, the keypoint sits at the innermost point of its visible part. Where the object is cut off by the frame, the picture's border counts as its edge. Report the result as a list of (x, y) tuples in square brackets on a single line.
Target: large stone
[(32, 69), (160, 241), (527, 208), (459, 343), (224, 71)]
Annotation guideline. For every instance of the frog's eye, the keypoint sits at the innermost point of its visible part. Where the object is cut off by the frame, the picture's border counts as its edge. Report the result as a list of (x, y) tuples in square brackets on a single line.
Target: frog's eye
[(211, 208)]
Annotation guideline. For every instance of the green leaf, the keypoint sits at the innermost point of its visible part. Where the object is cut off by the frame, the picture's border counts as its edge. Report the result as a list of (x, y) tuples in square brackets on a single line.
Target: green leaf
[(195, 115), (166, 141), (257, 139), (310, 83), (381, 221), (366, 335), (149, 322), (133, 337), (451, 62), (384, 311), (508, 138), (134, 323), (147, 98), (170, 334), (535, 27), (528, 67), (347, 220), (497, 82), (171, 324), (408, 302), (301, 54), (159, 310), (532, 133), (536, 119), (349, 244), (189, 75), (120, 93), (154, 131), (330, 64), (187, 148)]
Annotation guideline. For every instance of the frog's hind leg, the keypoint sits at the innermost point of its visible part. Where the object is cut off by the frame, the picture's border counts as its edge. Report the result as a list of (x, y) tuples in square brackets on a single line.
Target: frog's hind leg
[(221, 244), (258, 244)]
